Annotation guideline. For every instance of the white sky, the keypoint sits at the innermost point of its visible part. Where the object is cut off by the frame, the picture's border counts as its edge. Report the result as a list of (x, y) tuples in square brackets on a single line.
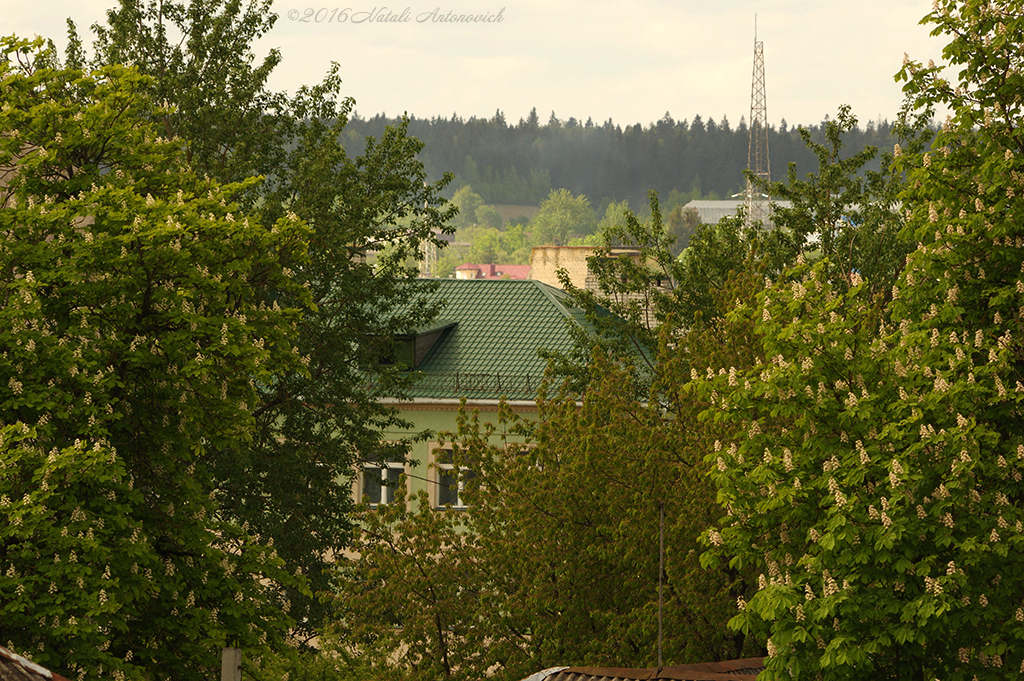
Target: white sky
[(630, 60)]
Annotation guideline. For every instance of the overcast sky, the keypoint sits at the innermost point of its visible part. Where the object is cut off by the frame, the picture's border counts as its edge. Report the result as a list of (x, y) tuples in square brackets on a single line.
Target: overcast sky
[(627, 60)]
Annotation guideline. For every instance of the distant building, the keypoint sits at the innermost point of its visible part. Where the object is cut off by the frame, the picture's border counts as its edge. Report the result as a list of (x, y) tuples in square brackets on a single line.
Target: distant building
[(492, 271), (545, 261), (711, 212)]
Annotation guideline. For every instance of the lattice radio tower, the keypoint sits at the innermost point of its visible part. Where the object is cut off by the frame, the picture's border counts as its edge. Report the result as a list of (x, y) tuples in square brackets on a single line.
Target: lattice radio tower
[(428, 252), (428, 259), (757, 152)]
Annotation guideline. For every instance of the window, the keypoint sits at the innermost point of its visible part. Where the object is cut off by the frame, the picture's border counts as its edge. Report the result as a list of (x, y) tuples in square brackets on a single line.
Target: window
[(449, 481), (380, 482)]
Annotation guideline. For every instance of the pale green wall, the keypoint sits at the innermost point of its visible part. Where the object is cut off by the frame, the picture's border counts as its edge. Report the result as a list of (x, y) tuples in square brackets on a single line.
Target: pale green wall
[(437, 418)]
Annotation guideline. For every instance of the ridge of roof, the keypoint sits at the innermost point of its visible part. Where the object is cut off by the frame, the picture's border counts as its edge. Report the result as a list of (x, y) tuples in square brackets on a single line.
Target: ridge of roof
[(553, 294)]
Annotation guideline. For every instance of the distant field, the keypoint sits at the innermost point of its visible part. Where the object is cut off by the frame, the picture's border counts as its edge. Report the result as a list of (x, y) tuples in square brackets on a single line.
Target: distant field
[(507, 212)]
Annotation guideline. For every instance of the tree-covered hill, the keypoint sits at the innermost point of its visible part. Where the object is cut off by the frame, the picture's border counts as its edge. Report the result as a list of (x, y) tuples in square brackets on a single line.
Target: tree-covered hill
[(520, 163)]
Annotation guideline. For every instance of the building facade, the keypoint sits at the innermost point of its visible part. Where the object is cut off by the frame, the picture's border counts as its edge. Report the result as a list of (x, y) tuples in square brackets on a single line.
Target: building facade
[(486, 347)]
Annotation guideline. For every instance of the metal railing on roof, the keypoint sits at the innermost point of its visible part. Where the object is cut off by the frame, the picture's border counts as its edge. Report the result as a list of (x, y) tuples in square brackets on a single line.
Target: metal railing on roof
[(469, 384)]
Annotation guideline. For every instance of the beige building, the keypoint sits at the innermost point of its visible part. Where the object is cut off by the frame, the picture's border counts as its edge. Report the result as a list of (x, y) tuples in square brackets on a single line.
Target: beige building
[(545, 261)]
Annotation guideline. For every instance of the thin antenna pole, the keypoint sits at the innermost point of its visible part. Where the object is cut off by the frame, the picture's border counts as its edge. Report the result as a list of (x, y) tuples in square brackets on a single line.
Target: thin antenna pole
[(661, 572)]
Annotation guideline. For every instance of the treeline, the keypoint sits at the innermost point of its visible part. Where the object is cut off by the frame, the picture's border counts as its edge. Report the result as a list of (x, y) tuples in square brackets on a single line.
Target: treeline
[(521, 163)]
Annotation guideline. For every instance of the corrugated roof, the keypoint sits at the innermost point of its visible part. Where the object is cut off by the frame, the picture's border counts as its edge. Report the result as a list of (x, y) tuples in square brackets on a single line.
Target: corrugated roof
[(745, 669), (14, 667), (492, 350)]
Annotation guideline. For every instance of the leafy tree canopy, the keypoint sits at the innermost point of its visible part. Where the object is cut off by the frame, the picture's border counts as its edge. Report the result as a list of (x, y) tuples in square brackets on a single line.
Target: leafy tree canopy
[(313, 425), (556, 559), (561, 218), (873, 470), (841, 212), (467, 201), (140, 323), (681, 225)]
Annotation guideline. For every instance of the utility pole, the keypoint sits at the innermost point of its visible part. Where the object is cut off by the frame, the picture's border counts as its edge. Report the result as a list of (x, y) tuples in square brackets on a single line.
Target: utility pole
[(757, 152), (231, 664)]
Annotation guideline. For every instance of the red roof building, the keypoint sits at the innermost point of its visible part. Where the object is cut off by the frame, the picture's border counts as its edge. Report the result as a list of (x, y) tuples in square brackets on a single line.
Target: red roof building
[(492, 271)]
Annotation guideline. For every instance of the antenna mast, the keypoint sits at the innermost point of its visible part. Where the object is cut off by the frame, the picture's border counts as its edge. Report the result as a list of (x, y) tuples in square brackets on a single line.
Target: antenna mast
[(428, 251), (757, 151), (428, 259)]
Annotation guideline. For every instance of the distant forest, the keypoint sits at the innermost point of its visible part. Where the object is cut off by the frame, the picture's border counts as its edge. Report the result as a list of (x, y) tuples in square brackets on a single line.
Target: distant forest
[(521, 163)]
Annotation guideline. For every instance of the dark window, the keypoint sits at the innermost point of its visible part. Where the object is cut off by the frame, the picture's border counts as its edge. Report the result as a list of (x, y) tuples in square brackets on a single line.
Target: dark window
[(451, 483), (381, 482)]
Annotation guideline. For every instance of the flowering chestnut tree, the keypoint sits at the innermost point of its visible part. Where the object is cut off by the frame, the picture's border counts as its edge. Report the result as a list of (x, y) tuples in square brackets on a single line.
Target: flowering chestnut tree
[(312, 427), (873, 474), (138, 328)]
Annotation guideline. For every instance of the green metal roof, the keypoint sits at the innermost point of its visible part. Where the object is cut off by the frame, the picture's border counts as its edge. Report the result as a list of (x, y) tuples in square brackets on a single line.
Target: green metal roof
[(492, 350)]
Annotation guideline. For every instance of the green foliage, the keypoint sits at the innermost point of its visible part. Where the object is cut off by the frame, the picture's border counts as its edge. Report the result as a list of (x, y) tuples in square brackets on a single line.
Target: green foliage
[(841, 212), (555, 561), (449, 260), (514, 240), (489, 245), (467, 201), (411, 590), (873, 469), (614, 216), (592, 240), (312, 425), (682, 225), (689, 313), (634, 286), (486, 246), (715, 254), (507, 185), (561, 218), (677, 199), (844, 213), (215, 84), (521, 164), (487, 216), (323, 664), (137, 334)]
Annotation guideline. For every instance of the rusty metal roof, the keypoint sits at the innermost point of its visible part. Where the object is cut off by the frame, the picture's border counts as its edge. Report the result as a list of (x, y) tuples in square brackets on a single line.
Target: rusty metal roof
[(745, 669), (14, 667)]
